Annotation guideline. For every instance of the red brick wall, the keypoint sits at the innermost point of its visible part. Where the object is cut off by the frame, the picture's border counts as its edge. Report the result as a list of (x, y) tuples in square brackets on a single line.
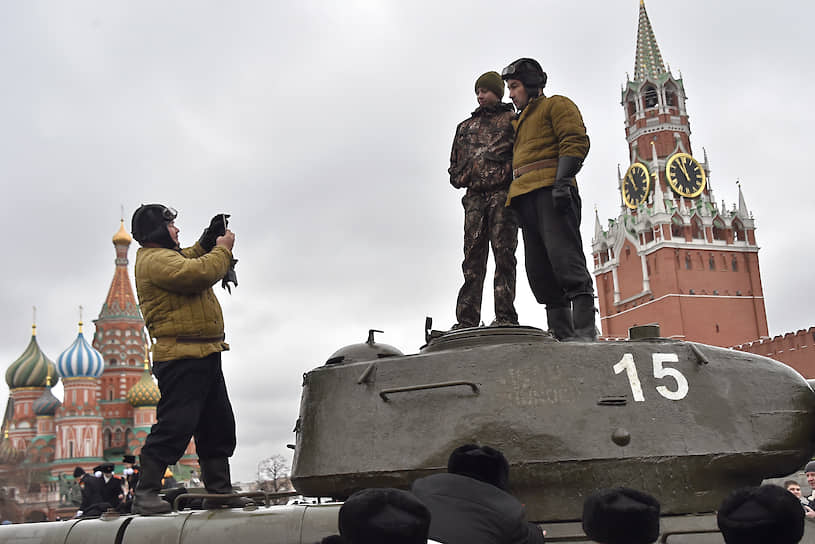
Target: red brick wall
[(795, 349)]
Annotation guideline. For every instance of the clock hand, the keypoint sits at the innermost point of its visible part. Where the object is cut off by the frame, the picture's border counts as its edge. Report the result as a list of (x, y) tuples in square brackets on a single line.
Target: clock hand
[(684, 170)]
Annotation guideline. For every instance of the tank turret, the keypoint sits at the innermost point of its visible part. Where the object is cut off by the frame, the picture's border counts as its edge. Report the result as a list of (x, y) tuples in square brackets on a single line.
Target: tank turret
[(686, 422)]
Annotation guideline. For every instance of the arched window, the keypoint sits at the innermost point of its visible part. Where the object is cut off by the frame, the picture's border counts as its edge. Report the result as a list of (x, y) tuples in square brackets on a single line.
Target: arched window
[(677, 227), (688, 264), (649, 233), (735, 264), (632, 108), (738, 231), (650, 94), (117, 437), (697, 230), (106, 438), (719, 232), (670, 96)]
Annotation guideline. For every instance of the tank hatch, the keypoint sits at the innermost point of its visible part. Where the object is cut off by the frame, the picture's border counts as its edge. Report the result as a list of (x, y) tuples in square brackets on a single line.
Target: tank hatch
[(481, 336), (366, 351)]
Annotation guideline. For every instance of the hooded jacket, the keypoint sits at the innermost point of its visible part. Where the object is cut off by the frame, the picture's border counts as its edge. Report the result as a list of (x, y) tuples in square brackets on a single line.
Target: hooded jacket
[(547, 128), (177, 302), (481, 158)]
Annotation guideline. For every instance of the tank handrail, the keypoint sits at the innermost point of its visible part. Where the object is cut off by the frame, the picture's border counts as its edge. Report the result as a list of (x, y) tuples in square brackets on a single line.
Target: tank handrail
[(385, 392), (267, 496)]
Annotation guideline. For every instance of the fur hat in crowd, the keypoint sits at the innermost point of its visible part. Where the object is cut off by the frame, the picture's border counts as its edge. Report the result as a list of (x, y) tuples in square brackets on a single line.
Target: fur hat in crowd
[(374, 516), (78, 472), (621, 516), (810, 467), (480, 462), (492, 82), (129, 459), (761, 515)]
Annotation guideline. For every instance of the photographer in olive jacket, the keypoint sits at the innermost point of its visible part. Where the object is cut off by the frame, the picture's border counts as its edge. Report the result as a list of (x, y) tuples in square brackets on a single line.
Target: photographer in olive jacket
[(184, 318)]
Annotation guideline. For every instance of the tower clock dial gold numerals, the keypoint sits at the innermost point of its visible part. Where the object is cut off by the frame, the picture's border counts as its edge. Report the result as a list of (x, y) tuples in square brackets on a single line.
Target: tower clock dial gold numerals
[(685, 175), (636, 185)]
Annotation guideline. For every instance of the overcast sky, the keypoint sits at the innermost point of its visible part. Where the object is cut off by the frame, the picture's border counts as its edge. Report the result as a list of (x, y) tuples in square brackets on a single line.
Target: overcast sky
[(324, 128)]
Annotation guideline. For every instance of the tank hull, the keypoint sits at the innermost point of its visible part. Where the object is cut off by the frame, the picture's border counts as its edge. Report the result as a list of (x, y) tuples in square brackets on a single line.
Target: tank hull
[(685, 422)]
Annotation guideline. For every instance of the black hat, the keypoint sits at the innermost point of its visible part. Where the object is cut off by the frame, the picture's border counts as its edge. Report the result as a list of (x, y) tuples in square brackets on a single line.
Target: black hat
[(480, 462), (78, 472), (149, 225), (621, 516), (107, 468), (129, 459), (761, 514), (527, 71), (373, 516), (810, 467)]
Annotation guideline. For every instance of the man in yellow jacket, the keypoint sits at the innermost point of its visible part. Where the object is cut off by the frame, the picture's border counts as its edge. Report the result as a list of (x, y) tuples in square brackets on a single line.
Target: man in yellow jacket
[(550, 146), (184, 318)]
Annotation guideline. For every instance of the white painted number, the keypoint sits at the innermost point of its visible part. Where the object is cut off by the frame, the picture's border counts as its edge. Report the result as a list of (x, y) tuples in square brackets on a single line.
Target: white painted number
[(660, 372), (627, 364)]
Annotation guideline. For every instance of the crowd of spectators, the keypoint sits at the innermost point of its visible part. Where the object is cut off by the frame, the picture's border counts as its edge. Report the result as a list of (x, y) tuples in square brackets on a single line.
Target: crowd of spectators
[(470, 504)]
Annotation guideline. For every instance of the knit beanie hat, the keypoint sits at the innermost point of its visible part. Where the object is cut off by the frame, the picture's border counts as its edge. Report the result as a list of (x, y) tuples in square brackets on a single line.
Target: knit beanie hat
[(621, 516), (760, 515), (492, 82)]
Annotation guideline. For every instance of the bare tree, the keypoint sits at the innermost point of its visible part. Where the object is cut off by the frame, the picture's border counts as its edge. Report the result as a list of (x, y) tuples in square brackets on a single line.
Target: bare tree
[(273, 474)]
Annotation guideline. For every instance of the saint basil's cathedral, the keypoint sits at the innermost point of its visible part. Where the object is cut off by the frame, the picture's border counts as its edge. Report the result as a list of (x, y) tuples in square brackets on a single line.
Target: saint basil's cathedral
[(109, 404)]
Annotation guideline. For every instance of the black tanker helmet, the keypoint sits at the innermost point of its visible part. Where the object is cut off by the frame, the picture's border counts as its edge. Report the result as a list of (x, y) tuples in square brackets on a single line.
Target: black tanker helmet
[(149, 225), (527, 71)]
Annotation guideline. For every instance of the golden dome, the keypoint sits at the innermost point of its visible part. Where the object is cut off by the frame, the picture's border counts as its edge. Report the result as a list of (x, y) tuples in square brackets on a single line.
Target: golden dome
[(145, 392), (122, 236)]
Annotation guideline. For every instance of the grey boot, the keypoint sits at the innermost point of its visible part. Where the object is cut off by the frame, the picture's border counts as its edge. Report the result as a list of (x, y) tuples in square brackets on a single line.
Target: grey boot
[(560, 322), (583, 314), (216, 478), (146, 500)]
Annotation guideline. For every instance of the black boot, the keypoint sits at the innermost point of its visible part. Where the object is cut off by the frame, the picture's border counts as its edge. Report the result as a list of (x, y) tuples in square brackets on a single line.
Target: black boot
[(216, 478), (583, 311), (560, 322), (146, 500)]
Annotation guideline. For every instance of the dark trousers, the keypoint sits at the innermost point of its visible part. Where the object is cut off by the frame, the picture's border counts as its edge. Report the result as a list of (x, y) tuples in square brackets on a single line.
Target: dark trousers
[(487, 221), (555, 262), (194, 402)]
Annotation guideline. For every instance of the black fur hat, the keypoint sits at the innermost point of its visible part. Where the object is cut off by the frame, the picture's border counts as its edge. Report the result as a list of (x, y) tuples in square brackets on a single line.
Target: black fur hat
[(374, 516), (760, 515), (621, 516), (480, 462), (129, 459), (78, 472)]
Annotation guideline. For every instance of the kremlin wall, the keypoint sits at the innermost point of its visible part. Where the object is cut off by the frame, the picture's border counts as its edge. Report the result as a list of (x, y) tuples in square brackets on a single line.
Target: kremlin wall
[(109, 403)]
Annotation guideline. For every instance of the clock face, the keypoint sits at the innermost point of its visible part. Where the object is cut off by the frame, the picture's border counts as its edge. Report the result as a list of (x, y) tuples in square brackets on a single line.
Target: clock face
[(636, 185), (685, 175)]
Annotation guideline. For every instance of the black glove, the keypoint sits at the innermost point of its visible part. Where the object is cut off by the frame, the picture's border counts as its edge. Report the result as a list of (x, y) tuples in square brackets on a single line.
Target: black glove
[(567, 169), (230, 277), (217, 227)]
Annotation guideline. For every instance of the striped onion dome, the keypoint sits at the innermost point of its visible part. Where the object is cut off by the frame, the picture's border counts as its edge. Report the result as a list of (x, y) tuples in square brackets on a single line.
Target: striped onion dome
[(31, 369), (47, 403), (145, 392), (80, 360)]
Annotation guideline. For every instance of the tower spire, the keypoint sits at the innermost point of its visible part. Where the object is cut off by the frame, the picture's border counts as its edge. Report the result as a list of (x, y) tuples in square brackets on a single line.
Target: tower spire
[(648, 60)]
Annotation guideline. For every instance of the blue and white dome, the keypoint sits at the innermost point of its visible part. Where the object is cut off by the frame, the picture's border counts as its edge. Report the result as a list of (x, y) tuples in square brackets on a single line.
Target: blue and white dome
[(80, 360)]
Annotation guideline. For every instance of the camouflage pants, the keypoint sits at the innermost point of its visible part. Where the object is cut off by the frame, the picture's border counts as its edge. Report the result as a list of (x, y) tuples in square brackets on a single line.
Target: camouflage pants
[(487, 221)]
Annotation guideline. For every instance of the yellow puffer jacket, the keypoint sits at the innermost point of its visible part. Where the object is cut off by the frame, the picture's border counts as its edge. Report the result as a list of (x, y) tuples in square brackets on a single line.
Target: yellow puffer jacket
[(548, 128), (177, 302)]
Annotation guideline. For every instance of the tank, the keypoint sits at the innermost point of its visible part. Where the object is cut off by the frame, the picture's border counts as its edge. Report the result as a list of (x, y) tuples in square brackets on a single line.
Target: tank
[(684, 421)]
